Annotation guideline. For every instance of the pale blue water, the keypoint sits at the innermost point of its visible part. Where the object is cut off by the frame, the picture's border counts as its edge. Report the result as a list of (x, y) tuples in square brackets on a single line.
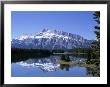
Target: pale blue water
[(48, 67)]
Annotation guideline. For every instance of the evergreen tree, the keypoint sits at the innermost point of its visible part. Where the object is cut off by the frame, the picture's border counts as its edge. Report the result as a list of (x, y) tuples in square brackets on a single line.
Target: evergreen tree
[(95, 47), (97, 27)]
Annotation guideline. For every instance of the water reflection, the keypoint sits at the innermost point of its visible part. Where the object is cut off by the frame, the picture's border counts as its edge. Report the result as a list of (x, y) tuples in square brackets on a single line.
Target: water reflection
[(45, 67), (65, 58), (54, 63), (94, 71)]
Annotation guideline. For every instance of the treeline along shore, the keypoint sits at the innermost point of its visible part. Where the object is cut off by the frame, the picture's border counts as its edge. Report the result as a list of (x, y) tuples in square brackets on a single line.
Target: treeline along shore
[(30, 51), (23, 53), (48, 52)]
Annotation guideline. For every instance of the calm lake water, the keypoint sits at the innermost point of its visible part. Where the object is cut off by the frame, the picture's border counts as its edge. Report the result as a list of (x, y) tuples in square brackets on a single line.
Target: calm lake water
[(51, 66)]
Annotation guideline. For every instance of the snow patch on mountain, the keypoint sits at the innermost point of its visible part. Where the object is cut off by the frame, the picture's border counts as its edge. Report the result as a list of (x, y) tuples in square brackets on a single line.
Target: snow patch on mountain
[(51, 39)]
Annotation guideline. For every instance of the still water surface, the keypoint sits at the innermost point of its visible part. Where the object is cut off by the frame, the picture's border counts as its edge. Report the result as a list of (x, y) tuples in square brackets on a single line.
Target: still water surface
[(50, 66)]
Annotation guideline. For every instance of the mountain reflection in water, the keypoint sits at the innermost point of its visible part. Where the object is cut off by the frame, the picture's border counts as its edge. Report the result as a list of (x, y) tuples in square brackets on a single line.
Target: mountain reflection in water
[(53, 65), (46, 67)]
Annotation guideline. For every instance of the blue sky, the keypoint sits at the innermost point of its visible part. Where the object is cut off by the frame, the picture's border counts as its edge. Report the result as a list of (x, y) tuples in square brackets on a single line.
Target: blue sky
[(30, 22)]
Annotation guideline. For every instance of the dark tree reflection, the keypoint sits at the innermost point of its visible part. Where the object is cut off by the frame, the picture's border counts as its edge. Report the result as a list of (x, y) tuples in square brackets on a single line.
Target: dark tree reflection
[(65, 58), (94, 71), (65, 67)]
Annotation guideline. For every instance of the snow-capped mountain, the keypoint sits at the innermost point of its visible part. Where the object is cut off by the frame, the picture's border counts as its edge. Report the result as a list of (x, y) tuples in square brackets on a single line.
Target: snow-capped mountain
[(51, 39)]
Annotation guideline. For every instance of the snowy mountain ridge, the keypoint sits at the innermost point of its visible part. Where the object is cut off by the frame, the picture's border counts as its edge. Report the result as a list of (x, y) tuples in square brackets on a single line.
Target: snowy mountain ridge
[(51, 39)]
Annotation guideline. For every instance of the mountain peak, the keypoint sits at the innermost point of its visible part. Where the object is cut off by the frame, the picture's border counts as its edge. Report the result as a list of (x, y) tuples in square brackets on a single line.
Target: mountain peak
[(51, 39), (49, 30), (45, 30)]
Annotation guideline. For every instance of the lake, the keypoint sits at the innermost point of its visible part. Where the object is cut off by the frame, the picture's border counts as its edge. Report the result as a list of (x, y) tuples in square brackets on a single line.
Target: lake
[(51, 66)]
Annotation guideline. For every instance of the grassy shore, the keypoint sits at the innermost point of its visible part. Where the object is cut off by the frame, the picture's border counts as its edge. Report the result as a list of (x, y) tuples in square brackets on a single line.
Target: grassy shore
[(77, 64)]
